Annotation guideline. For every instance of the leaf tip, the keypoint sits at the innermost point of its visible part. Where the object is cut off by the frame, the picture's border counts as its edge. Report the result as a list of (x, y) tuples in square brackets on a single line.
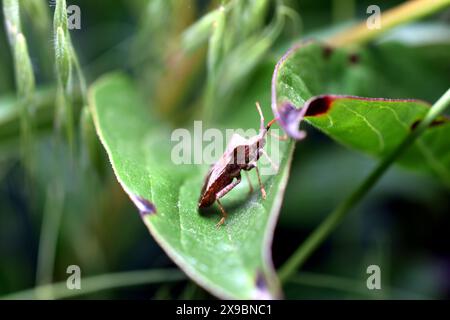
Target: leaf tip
[(289, 119)]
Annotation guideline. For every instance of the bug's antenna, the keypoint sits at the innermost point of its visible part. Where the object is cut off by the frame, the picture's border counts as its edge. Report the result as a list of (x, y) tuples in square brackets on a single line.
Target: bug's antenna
[(258, 107)]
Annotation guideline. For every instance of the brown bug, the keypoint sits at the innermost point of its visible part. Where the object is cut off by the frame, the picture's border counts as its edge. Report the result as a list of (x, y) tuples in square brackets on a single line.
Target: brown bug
[(240, 154)]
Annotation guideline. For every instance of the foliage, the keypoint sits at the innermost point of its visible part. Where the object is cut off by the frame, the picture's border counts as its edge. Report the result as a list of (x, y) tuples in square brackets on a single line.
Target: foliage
[(364, 89)]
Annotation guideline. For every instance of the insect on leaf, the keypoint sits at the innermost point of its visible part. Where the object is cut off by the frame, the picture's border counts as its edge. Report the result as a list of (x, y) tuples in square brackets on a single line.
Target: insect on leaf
[(233, 261)]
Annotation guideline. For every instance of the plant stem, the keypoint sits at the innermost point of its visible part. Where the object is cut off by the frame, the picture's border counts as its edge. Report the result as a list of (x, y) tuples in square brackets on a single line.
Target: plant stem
[(316, 280), (351, 286), (336, 216), (406, 12), (80, 75), (101, 282), (49, 236)]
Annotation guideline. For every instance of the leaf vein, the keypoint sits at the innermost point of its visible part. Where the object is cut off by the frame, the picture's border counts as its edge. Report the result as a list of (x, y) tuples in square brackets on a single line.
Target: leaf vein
[(375, 130)]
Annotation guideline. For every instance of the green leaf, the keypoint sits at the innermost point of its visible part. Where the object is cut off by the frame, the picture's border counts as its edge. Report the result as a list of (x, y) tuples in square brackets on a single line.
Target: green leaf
[(377, 126), (216, 43), (371, 125), (233, 261), (199, 32)]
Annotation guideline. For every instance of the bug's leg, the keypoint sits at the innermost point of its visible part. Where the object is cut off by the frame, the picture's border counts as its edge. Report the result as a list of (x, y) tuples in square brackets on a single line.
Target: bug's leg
[(261, 186), (223, 212), (249, 183), (220, 194), (284, 137), (228, 188), (272, 164)]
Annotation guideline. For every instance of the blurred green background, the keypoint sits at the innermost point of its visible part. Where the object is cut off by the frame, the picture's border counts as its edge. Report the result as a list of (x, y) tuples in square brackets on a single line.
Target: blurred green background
[(402, 225)]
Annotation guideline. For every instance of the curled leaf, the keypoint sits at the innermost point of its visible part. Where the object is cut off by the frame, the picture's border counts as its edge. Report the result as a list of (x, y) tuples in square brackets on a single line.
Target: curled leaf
[(372, 125)]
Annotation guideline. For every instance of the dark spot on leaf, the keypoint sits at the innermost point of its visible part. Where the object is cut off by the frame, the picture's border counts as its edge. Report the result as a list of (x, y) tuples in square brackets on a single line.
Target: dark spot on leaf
[(327, 51), (353, 58), (415, 124), (144, 206), (318, 106), (436, 122)]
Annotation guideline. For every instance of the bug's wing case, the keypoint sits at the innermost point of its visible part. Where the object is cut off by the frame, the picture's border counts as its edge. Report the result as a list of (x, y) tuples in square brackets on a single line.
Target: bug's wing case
[(235, 141), (217, 169), (206, 181)]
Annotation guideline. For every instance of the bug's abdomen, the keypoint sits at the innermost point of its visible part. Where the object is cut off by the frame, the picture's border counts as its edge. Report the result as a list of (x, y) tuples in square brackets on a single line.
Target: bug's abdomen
[(208, 197)]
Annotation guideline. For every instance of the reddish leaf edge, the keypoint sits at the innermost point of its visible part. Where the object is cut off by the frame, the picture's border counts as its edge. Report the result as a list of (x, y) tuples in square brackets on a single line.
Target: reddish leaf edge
[(290, 116)]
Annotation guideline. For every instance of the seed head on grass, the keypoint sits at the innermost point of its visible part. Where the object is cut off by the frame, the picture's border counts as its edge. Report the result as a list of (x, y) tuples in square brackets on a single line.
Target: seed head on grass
[(11, 13), (62, 58), (24, 75), (23, 69), (215, 47), (60, 17)]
